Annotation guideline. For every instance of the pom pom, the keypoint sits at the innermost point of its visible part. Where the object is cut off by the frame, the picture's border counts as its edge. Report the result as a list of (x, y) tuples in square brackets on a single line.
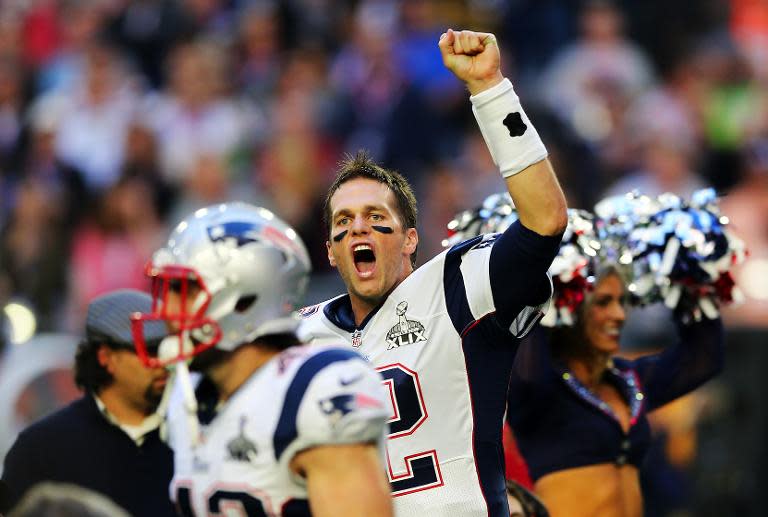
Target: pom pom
[(680, 252), (573, 268)]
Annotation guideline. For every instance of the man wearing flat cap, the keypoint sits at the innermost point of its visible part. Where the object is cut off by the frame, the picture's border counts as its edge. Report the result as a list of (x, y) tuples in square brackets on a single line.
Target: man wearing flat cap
[(108, 440)]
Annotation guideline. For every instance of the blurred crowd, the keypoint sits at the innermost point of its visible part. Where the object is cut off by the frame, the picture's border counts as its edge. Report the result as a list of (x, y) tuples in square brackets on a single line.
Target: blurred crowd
[(119, 117)]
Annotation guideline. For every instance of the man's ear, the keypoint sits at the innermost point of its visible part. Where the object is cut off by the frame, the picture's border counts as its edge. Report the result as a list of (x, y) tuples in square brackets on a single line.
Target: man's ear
[(103, 355), (411, 241), (331, 259)]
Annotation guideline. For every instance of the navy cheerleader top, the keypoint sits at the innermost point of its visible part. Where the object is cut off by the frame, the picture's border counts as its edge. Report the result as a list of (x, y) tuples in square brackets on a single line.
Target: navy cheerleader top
[(561, 424)]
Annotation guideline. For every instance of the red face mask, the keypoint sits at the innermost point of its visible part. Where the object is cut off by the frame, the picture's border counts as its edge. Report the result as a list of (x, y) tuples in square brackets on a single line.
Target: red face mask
[(174, 290)]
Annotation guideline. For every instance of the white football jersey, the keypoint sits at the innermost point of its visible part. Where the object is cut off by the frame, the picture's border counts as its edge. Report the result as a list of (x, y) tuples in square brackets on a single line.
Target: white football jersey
[(445, 360), (304, 397)]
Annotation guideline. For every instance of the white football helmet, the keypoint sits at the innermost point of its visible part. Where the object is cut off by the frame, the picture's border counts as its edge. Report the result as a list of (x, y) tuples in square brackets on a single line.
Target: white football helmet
[(240, 272)]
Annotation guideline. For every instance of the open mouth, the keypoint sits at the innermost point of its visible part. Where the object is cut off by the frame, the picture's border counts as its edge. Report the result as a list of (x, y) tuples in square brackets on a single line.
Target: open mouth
[(365, 260)]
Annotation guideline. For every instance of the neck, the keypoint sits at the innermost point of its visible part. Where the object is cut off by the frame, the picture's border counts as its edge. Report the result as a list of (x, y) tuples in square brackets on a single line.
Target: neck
[(123, 411), (230, 374), (362, 307), (589, 370)]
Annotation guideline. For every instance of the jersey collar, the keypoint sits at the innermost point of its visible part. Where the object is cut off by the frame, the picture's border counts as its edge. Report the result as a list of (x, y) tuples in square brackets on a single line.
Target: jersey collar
[(339, 312)]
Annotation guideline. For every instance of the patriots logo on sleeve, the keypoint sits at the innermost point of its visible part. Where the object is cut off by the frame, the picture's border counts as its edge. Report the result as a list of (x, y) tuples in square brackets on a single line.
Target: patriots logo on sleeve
[(341, 405), (238, 233), (488, 240), (306, 312)]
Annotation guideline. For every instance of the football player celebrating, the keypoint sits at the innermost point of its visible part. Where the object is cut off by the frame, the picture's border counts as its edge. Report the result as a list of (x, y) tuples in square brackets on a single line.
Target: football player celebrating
[(272, 428), (439, 335)]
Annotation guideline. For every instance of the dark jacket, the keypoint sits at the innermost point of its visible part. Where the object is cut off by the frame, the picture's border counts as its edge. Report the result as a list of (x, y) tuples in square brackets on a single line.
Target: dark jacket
[(78, 445)]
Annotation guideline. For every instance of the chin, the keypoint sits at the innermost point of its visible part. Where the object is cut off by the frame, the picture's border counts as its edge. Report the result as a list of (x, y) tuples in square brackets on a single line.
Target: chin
[(368, 290), (609, 346)]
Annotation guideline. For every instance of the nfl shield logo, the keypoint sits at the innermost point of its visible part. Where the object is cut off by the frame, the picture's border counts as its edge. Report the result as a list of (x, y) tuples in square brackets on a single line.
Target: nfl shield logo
[(357, 339)]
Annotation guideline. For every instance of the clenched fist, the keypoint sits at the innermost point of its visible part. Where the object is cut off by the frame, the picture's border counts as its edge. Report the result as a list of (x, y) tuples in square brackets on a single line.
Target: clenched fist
[(473, 57)]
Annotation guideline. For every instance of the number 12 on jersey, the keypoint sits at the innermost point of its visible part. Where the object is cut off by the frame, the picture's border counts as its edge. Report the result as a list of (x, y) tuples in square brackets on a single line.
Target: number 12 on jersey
[(420, 470)]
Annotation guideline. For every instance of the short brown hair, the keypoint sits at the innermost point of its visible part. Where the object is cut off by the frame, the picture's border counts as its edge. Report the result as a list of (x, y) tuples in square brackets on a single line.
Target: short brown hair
[(361, 165)]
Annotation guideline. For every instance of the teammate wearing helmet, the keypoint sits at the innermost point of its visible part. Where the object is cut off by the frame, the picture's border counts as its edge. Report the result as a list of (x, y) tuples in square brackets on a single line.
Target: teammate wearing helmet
[(272, 428)]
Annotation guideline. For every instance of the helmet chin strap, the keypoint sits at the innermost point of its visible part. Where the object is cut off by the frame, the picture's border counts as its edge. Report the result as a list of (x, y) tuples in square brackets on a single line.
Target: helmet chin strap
[(190, 402), (179, 373)]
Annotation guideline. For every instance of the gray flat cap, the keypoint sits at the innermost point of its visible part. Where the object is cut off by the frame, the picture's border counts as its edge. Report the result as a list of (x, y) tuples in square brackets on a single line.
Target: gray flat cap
[(109, 319)]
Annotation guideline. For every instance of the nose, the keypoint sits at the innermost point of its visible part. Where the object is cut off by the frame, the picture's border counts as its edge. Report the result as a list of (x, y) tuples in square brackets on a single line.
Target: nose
[(359, 225), (618, 313)]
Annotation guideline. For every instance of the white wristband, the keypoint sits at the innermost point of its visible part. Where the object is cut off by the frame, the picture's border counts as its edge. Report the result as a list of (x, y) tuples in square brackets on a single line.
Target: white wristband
[(511, 138)]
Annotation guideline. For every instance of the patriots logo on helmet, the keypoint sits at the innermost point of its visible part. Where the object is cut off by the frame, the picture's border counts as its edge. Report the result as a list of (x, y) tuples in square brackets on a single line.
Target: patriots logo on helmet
[(239, 233)]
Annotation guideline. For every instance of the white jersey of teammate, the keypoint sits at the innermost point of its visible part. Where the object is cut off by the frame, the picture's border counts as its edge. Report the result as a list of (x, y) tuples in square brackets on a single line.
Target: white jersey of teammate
[(303, 397), (446, 362)]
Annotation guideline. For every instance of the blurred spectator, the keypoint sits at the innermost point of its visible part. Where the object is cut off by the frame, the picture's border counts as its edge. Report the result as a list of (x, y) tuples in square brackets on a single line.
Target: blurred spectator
[(444, 196), (78, 24), (33, 251), (672, 107), (303, 145), (422, 22), (146, 30), (747, 208), (197, 114), (477, 171), (426, 124), (41, 164), (749, 26), (258, 50), (313, 23), (734, 109), (214, 18), (94, 116), (12, 105), (365, 71), (141, 161), (11, 42), (735, 104), (587, 78), (110, 250), (208, 182), (665, 166), (550, 23), (39, 32), (108, 440)]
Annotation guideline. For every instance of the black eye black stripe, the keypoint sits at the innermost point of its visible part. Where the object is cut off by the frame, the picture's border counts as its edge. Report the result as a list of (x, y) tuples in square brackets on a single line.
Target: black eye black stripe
[(380, 229)]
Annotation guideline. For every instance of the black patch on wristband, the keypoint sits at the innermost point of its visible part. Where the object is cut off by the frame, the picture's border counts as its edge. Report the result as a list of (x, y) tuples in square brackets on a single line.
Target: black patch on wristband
[(514, 122), (382, 229), (339, 236)]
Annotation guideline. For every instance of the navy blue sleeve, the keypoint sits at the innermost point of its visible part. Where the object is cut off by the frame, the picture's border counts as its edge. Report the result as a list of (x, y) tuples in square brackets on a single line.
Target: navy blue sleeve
[(518, 266), (679, 369), (533, 377)]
